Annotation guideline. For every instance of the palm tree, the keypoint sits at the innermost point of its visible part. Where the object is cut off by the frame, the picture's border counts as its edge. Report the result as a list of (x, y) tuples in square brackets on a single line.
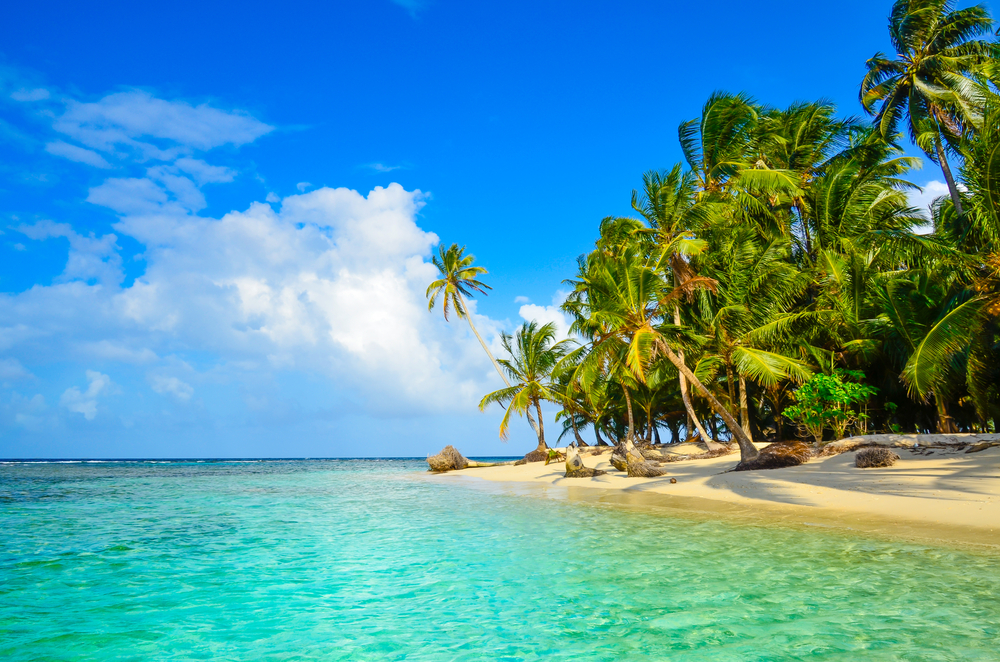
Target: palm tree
[(620, 310), (458, 280), (933, 80), (533, 355)]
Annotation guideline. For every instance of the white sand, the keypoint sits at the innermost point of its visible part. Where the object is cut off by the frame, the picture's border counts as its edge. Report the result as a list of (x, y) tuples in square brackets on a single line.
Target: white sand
[(948, 496)]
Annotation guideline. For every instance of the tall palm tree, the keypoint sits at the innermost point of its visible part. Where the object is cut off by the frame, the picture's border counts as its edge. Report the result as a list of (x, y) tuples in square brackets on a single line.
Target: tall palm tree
[(458, 279), (932, 80), (533, 355)]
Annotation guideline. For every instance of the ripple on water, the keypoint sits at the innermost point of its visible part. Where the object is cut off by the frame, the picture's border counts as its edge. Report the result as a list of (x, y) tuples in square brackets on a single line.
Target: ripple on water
[(354, 561)]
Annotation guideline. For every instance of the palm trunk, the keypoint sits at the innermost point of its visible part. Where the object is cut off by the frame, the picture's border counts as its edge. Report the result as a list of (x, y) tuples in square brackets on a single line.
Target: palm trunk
[(946, 169), (541, 427), (649, 424), (747, 450), (597, 435), (465, 312), (730, 383), (745, 408), (686, 392), (656, 434), (576, 432), (630, 435), (944, 422)]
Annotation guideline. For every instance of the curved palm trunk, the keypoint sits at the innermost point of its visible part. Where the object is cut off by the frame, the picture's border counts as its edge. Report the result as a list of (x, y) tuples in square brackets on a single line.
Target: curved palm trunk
[(576, 433), (946, 169), (747, 450), (468, 317), (686, 392), (745, 408), (597, 435), (630, 435)]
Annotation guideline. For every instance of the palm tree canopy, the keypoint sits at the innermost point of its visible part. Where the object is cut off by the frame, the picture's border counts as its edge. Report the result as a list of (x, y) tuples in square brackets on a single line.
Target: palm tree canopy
[(458, 279)]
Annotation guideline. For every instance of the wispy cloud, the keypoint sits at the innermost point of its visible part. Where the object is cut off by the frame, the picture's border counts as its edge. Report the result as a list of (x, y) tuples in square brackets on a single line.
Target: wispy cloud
[(302, 186), (78, 154), (381, 167), (412, 6)]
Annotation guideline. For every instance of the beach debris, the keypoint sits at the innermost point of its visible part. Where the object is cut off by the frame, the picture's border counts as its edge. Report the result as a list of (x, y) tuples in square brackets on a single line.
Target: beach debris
[(875, 456), (448, 459), (673, 480), (575, 467), (554, 456), (618, 458), (975, 448), (777, 456), (537, 455), (636, 466)]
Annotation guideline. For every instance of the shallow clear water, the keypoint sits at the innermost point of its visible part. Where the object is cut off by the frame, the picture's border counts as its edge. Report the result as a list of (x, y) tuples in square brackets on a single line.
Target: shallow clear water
[(370, 560)]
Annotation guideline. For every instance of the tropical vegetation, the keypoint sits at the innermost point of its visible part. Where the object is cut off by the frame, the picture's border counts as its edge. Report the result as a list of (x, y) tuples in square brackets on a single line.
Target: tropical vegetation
[(778, 283)]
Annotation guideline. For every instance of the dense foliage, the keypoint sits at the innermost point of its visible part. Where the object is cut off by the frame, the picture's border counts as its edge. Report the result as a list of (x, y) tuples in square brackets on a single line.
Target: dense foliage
[(785, 248)]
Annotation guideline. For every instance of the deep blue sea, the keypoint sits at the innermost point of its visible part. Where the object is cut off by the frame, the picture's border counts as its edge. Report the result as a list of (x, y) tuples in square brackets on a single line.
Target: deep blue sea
[(375, 560)]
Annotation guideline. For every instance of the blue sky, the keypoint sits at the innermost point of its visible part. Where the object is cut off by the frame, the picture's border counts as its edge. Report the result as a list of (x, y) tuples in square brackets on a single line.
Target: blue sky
[(217, 216)]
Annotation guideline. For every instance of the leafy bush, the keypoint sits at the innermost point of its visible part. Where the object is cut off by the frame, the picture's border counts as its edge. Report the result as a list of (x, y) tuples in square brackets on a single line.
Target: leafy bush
[(830, 401)]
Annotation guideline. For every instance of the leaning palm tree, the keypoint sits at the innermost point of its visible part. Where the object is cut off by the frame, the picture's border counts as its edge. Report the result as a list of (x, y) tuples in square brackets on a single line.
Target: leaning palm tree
[(458, 279), (933, 80), (533, 355)]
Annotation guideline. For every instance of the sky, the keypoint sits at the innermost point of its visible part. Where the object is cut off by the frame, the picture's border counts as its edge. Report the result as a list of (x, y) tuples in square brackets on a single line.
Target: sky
[(217, 218)]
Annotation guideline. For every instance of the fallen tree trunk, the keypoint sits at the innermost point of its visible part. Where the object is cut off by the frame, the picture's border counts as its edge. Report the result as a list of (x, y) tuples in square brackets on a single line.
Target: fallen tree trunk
[(636, 466), (449, 459)]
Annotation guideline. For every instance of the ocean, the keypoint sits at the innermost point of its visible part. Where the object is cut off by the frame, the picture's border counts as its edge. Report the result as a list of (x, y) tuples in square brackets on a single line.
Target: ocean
[(377, 560)]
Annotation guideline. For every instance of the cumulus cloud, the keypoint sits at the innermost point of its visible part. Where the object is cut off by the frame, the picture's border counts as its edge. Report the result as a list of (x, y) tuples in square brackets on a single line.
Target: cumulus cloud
[(302, 186), (332, 282), (545, 314), (90, 257), (85, 402), (78, 154)]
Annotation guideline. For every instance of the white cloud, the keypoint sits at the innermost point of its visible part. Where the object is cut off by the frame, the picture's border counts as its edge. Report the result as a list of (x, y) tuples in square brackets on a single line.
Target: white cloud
[(302, 186), (136, 121), (381, 167), (171, 385), (78, 154), (86, 402), (37, 94), (924, 198), (332, 283), (545, 314), (272, 197), (522, 299), (90, 257), (11, 369)]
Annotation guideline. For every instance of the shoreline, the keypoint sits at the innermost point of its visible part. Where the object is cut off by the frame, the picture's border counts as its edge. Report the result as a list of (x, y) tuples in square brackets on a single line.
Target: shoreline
[(948, 497)]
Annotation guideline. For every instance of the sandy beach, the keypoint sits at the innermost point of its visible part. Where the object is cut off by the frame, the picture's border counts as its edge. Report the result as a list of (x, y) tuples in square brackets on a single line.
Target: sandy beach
[(941, 494)]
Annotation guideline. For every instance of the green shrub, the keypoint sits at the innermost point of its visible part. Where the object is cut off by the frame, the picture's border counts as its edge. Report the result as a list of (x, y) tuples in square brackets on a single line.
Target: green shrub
[(830, 401)]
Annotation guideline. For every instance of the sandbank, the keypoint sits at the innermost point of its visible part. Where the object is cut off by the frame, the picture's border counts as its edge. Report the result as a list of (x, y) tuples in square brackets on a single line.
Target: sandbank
[(947, 496)]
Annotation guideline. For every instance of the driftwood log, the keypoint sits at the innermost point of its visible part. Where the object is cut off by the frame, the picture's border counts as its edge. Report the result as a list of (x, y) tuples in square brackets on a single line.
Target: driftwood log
[(449, 459), (575, 467), (777, 456), (618, 460), (636, 466)]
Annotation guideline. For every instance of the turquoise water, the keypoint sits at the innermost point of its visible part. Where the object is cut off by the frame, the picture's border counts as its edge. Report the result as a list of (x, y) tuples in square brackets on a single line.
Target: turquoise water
[(371, 560)]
